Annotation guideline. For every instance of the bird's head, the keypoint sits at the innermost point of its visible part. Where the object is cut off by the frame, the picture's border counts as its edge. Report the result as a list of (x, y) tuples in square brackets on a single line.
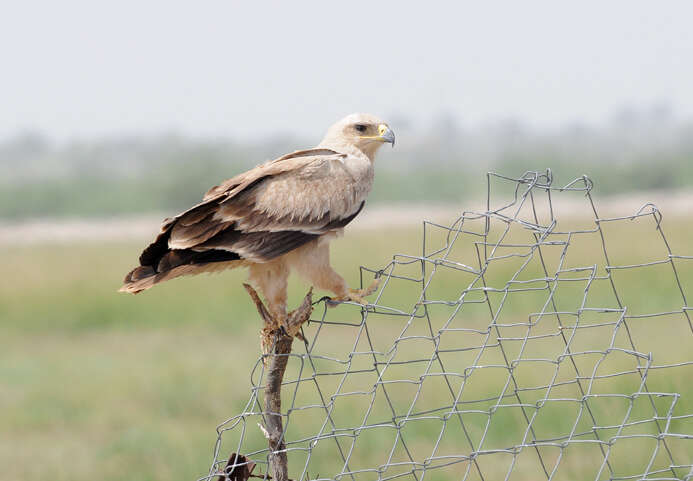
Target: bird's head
[(366, 132)]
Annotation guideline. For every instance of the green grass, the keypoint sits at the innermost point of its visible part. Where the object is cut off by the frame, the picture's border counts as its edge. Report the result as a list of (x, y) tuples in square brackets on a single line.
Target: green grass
[(96, 384)]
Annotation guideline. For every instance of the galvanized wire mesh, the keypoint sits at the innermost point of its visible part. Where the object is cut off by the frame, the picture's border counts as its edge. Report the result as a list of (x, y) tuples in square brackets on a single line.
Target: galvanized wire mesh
[(497, 353)]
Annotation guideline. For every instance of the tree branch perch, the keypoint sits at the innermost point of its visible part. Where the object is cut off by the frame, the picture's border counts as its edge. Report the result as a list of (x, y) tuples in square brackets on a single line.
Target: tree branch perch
[(276, 341)]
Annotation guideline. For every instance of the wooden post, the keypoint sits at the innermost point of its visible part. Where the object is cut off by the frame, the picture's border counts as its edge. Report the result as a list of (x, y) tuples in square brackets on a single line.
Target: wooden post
[(277, 338)]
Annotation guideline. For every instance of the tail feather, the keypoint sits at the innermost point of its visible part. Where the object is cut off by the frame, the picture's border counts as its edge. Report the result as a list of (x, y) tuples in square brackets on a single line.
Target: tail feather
[(175, 263)]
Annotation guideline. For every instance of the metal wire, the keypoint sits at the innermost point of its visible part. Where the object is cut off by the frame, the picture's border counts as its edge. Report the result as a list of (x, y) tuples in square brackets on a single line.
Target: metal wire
[(453, 374)]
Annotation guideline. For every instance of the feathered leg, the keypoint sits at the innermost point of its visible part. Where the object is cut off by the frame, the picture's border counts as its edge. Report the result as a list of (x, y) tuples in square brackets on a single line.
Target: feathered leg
[(312, 261), (271, 279)]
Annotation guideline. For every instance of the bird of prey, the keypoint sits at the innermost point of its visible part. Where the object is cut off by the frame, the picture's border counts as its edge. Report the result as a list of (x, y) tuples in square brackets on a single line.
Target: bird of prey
[(278, 216)]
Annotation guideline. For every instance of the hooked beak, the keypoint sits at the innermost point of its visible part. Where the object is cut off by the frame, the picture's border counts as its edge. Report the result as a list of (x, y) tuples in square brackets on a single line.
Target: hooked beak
[(386, 134)]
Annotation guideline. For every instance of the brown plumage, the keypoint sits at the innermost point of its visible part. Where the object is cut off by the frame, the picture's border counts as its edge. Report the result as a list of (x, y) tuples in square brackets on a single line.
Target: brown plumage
[(274, 217)]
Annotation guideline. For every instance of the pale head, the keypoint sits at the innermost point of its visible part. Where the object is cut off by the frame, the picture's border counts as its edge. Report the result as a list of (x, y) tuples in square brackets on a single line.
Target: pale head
[(365, 132)]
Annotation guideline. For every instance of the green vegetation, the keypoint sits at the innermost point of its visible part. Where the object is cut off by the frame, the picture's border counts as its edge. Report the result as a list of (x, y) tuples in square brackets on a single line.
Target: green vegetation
[(101, 385), (441, 162)]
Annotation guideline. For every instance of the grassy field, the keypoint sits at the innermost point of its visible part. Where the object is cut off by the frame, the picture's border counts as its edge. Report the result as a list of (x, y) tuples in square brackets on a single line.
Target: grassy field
[(100, 385)]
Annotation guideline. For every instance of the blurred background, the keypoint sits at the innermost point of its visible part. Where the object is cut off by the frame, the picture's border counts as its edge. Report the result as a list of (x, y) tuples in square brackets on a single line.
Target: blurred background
[(115, 115)]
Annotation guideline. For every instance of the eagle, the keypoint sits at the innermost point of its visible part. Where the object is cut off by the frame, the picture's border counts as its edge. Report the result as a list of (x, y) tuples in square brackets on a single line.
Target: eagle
[(277, 217)]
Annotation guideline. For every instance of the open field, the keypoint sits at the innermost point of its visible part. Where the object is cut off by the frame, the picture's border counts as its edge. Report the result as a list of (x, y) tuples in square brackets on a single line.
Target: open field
[(100, 385)]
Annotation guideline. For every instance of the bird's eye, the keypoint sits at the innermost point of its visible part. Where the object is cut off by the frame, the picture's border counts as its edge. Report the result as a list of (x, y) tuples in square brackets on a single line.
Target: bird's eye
[(360, 127)]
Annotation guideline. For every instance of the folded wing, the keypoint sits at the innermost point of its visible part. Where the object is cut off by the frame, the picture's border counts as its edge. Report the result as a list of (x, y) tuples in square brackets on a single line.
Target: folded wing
[(253, 217)]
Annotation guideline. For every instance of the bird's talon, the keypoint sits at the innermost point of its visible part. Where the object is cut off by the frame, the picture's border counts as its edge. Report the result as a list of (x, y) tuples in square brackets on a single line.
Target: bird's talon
[(357, 295), (333, 301), (354, 295), (373, 287)]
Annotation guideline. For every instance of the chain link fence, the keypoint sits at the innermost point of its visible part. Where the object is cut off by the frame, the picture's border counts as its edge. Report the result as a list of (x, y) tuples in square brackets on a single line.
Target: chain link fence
[(530, 340)]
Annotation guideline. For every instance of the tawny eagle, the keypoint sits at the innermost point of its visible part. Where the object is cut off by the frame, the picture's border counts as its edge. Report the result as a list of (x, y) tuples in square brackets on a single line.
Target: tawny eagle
[(278, 216)]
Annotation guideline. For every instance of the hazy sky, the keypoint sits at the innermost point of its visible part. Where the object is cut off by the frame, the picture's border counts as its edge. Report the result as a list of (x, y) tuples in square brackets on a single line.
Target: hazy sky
[(77, 68)]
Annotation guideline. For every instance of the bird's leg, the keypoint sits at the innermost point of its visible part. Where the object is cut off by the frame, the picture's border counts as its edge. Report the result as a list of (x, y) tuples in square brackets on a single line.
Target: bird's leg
[(313, 262), (324, 277), (272, 280)]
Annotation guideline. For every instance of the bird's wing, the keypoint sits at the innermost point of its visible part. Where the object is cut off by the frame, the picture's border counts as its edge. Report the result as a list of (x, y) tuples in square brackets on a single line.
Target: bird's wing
[(288, 162), (260, 214)]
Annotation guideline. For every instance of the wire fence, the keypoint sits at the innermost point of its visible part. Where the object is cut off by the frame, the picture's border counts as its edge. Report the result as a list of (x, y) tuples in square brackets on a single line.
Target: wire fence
[(530, 340)]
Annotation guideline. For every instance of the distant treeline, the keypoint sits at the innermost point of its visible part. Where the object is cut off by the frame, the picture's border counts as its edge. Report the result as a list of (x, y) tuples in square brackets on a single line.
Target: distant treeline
[(442, 162)]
